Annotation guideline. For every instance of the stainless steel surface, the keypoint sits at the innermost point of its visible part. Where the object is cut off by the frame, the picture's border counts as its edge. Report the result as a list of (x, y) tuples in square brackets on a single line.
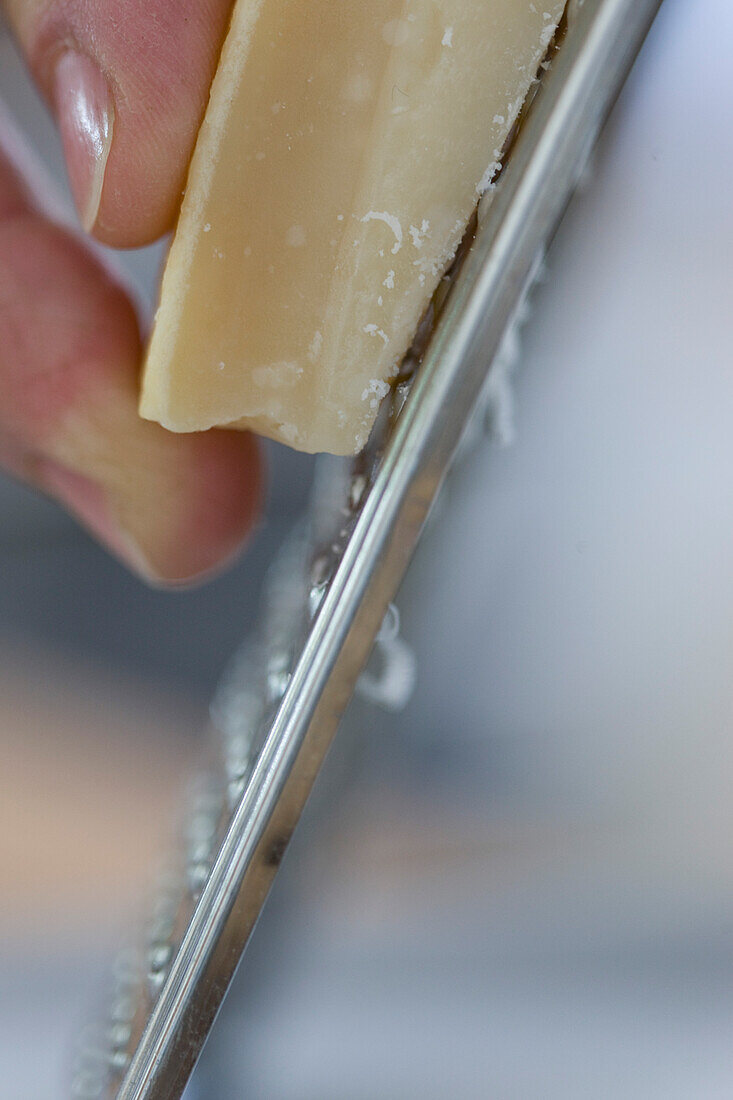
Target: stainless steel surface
[(601, 42)]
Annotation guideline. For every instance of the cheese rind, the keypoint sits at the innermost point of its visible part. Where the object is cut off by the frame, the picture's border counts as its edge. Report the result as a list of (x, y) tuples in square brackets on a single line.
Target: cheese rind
[(341, 157)]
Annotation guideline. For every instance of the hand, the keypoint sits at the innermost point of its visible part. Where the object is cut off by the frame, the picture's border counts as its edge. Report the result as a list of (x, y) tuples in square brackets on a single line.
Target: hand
[(127, 81)]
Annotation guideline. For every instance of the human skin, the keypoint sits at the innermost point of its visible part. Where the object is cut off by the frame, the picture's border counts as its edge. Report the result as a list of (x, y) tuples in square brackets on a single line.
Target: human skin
[(127, 81)]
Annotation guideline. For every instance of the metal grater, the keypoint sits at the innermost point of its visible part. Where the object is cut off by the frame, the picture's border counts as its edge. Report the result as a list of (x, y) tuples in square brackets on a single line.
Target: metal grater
[(331, 588)]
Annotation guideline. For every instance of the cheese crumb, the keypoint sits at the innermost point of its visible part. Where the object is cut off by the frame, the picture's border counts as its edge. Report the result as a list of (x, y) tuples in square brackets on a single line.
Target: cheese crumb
[(392, 222), (491, 172), (375, 391), (375, 330), (419, 235)]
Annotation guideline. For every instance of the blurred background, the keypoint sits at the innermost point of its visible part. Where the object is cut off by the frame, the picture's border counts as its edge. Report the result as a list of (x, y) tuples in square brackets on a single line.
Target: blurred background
[(521, 886)]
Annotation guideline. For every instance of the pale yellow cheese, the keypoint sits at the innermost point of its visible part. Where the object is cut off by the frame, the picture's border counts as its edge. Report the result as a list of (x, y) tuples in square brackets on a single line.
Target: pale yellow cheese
[(342, 154)]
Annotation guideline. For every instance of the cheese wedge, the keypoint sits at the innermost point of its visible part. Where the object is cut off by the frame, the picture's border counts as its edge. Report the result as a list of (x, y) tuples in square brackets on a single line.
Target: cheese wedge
[(343, 152)]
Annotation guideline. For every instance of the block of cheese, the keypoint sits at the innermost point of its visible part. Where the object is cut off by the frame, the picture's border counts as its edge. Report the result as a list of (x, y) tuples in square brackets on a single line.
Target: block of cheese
[(342, 154)]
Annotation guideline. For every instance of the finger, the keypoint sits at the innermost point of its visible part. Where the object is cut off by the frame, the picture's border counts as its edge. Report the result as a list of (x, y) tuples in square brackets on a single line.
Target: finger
[(129, 81), (173, 507)]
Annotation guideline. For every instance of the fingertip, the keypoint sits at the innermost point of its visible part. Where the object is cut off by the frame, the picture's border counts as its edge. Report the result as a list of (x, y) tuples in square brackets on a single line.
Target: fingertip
[(222, 496), (184, 526)]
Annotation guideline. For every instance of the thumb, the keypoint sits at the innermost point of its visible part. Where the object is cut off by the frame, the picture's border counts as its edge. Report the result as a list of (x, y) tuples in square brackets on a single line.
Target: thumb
[(129, 81)]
